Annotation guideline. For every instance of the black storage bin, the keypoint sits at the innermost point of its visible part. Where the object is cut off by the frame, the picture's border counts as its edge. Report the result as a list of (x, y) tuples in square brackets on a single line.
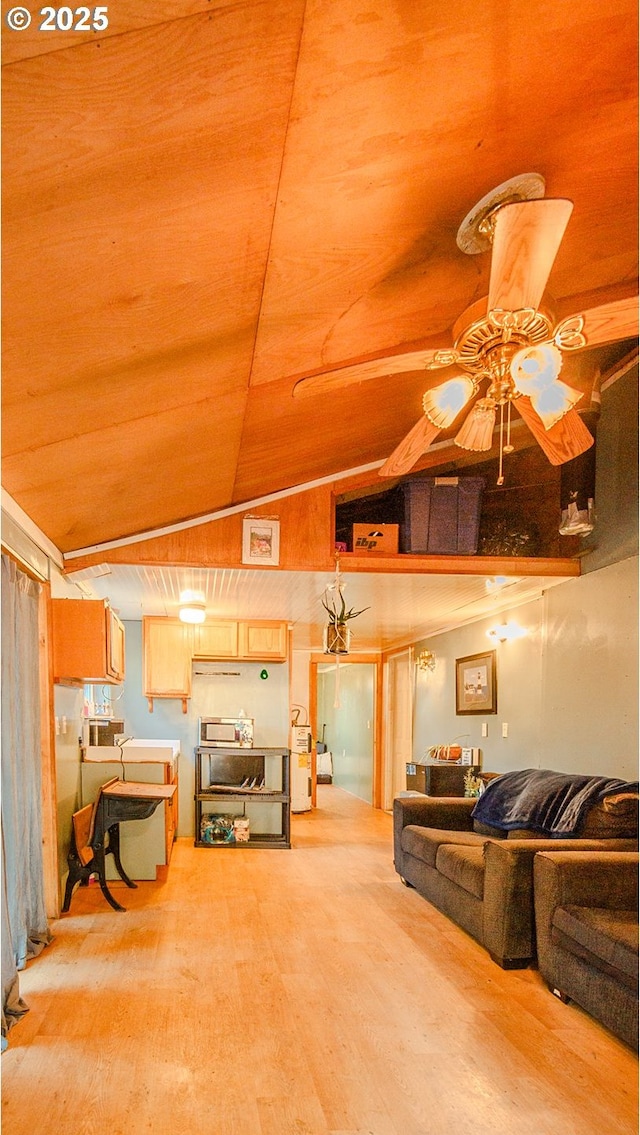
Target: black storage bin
[(441, 515)]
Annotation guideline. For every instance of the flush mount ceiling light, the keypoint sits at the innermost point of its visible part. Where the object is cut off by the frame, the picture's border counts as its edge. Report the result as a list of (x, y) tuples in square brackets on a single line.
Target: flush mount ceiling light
[(193, 608)]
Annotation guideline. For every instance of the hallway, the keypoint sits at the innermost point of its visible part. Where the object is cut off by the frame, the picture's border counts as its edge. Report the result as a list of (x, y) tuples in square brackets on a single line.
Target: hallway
[(297, 992)]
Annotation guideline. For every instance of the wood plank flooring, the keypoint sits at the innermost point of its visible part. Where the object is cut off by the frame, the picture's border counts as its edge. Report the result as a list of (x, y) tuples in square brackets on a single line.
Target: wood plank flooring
[(297, 992)]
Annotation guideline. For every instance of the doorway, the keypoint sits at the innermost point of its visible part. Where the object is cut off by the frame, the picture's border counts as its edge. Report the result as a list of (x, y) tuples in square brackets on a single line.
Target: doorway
[(352, 727), (346, 723)]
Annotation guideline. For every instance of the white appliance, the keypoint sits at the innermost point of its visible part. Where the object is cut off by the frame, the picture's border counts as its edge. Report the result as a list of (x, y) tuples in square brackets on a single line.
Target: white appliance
[(300, 768)]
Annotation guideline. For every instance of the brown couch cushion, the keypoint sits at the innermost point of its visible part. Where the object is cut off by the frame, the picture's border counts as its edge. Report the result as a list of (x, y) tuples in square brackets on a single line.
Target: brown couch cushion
[(488, 830), (605, 939), (423, 843), (463, 866), (615, 817)]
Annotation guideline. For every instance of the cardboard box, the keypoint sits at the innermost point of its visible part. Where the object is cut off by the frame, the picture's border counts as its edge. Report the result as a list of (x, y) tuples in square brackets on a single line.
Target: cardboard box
[(375, 537)]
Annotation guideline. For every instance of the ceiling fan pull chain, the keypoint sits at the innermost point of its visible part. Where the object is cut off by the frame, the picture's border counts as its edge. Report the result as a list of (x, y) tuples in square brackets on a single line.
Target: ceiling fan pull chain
[(508, 447), (500, 480)]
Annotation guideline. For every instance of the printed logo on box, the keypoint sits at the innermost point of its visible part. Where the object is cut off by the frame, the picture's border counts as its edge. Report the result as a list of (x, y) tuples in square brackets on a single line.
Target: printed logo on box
[(370, 540)]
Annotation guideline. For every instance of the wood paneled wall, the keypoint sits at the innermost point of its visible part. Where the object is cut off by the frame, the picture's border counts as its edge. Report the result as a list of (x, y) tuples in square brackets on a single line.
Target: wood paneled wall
[(306, 538)]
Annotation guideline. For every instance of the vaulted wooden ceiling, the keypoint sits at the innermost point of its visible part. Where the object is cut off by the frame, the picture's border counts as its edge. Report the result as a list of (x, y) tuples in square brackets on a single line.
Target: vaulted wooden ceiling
[(209, 199)]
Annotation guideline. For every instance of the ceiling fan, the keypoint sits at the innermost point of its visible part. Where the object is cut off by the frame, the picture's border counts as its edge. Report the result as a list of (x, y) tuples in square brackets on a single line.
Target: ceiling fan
[(507, 349)]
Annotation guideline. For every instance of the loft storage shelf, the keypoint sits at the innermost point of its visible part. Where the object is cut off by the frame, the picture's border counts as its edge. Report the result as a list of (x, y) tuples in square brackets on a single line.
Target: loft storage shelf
[(460, 565), (249, 785), (460, 520)]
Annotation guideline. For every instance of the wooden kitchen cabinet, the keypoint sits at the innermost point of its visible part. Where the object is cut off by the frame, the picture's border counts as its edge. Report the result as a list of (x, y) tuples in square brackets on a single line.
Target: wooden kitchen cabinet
[(262, 640), (171, 812), (167, 646), (88, 642), (246, 640), (217, 639)]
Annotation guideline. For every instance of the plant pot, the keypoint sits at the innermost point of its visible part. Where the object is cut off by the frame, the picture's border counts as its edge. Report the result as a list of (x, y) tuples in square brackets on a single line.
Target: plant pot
[(336, 638)]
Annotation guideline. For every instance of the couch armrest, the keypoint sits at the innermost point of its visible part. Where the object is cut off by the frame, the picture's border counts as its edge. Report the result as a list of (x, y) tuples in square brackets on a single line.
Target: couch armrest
[(447, 813), (606, 879), (508, 913)]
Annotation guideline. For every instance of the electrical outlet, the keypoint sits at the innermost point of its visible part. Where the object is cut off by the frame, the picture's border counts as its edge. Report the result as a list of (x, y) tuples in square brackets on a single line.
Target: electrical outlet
[(505, 729), (485, 729)]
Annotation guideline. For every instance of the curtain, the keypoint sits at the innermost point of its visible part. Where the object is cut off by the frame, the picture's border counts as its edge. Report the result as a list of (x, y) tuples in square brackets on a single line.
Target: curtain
[(24, 921)]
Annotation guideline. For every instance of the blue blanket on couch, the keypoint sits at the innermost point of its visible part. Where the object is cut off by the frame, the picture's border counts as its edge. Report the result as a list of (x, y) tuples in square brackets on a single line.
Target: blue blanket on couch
[(551, 803)]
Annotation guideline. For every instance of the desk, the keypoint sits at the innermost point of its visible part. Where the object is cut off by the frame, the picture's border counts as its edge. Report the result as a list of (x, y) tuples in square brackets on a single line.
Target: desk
[(145, 847), (121, 800)]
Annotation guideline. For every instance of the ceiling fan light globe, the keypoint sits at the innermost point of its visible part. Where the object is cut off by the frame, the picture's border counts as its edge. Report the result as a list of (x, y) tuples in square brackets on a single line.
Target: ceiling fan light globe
[(476, 432), (552, 403), (443, 404), (535, 368)]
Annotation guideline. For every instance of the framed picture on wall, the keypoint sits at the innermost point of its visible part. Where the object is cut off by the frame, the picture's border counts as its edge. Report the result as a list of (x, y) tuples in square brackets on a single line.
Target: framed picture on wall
[(476, 686), (260, 540)]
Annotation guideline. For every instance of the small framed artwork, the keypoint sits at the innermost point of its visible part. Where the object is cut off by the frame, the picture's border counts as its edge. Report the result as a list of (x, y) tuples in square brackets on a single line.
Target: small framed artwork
[(260, 541), (476, 686)]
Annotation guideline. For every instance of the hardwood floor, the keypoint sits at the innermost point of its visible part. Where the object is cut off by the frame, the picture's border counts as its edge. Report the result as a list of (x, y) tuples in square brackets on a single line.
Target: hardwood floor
[(301, 992)]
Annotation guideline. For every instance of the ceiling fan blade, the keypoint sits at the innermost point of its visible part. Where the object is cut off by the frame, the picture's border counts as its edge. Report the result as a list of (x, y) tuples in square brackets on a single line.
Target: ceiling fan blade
[(611, 321), (410, 449), (340, 377), (526, 239), (567, 439)]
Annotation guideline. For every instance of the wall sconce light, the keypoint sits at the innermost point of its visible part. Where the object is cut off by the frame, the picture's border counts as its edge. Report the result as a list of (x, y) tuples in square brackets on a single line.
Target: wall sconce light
[(507, 632), (193, 608), (426, 660)]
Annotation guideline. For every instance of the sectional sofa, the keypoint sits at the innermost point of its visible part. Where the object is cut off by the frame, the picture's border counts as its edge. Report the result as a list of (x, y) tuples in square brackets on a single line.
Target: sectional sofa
[(481, 874)]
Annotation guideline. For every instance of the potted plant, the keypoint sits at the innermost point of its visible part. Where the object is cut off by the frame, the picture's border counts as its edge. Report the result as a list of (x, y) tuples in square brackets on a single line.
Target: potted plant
[(337, 635)]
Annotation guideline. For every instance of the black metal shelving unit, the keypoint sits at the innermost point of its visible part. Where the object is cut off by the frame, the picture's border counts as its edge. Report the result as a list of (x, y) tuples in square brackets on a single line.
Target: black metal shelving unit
[(220, 777)]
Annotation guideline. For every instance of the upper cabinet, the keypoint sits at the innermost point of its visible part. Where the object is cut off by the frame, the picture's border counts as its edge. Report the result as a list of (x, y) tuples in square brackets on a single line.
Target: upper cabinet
[(216, 640), (167, 646), (88, 642), (262, 641)]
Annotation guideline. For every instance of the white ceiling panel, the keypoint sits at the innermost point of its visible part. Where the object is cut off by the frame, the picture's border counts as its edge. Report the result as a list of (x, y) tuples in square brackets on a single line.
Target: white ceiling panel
[(400, 608)]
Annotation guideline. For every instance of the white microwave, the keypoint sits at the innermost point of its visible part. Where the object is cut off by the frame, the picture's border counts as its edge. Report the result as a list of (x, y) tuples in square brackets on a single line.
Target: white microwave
[(225, 732)]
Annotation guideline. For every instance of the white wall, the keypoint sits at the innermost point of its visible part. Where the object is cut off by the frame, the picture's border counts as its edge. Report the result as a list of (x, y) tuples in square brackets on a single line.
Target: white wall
[(568, 691), (590, 672)]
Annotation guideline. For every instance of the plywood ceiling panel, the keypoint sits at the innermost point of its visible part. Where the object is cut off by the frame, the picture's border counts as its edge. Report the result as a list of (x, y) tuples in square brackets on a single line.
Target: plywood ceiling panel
[(390, 146), (212, 198), (142, 472)]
